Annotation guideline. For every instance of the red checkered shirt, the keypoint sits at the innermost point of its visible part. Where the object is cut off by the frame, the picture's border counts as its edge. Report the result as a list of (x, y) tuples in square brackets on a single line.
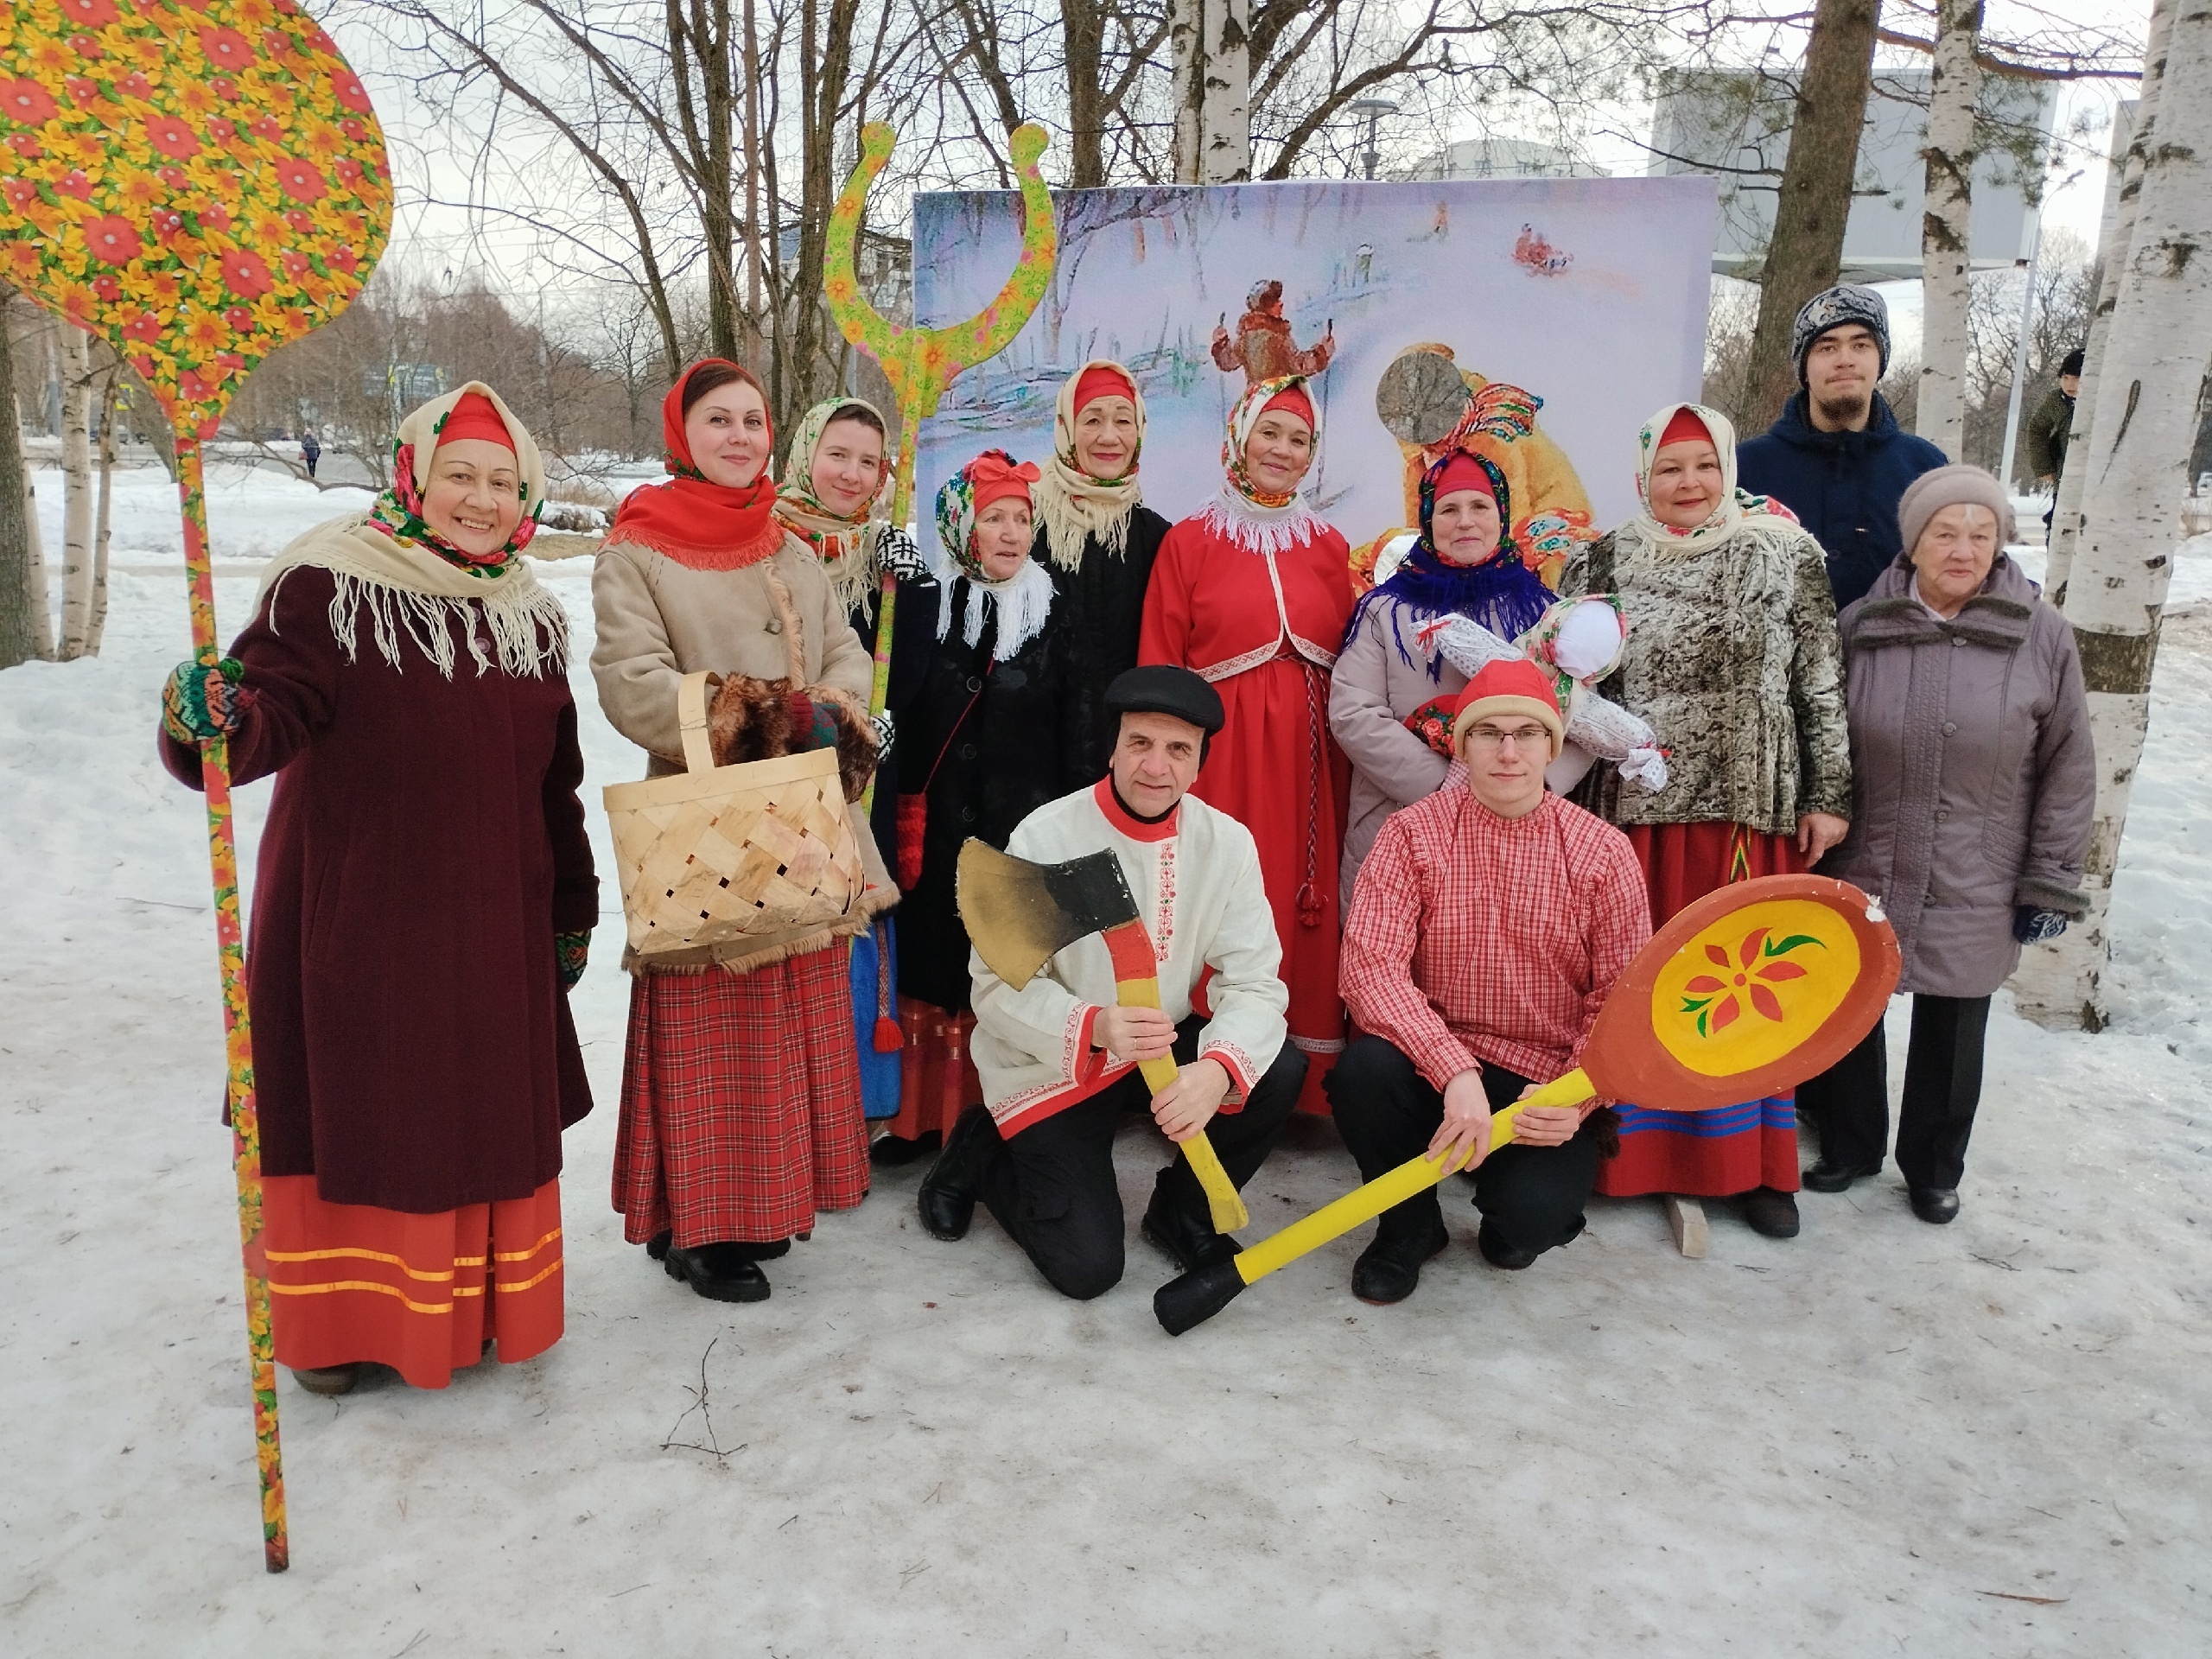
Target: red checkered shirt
[(1474, 938)]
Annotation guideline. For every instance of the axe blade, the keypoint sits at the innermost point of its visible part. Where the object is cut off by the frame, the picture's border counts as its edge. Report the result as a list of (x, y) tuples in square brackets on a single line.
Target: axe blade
[(1018, 914)]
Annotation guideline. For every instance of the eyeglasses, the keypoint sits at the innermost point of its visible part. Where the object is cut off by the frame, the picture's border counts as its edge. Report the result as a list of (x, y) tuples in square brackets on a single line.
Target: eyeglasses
[(1491, 737)]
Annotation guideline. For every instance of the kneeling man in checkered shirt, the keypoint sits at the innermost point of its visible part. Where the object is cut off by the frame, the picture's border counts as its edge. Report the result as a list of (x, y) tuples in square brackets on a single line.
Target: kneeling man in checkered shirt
[(1486, 929)]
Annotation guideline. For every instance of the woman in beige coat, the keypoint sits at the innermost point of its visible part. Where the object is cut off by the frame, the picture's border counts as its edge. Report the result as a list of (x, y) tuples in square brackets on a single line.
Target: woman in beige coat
[(741, 1086)]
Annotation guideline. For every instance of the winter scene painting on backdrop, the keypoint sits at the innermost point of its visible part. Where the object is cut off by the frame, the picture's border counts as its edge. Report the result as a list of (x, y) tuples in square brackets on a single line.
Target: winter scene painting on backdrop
[(1589, 294)]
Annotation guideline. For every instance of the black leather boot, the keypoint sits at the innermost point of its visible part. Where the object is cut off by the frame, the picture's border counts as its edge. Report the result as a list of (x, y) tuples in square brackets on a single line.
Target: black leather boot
[(1389, 1268), (1830, 1176), (949, 1192), (721, 1273), (1936, 1204), (1190, 1239)]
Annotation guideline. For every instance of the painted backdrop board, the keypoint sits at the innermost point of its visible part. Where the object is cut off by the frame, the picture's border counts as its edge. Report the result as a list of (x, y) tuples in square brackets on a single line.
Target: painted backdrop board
[(1591, 293)]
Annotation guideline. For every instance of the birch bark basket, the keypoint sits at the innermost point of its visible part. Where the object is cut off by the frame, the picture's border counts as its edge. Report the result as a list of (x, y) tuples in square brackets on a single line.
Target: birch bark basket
[(2123, 192), (1946, 218), (2134, 467)]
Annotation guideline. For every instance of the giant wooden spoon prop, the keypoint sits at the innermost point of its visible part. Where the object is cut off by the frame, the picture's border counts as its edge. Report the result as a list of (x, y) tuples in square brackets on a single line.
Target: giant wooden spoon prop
[(1746, 994), (197, 181)]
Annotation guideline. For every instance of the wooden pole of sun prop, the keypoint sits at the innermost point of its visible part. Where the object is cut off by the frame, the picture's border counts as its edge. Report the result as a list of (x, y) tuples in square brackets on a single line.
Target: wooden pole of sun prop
[(1748, 991), (918, 362), (197, 188)]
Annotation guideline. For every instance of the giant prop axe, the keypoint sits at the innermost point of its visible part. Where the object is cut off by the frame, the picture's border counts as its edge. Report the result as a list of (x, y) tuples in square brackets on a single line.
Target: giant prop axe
[(1748, 992), (920, 363), (197, 181), (1020, 915)]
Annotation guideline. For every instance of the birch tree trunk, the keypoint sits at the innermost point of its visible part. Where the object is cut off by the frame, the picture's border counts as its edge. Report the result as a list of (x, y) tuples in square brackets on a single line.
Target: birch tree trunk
[(111, 401), (1805, 250), (1945, 226), (2123, 191), (2134, 464), (18, 515), (1212, 76), (76, 489), (39, 595)]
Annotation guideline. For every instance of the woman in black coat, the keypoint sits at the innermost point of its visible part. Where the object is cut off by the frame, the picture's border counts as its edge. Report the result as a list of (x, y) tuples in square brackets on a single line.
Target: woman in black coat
[(1000, 720), (1098, 535)]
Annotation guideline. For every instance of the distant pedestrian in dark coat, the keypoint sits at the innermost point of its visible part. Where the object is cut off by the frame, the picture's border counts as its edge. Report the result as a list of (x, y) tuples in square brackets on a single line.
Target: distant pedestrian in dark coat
[(2051, 427), (1973, 786), (1837, 458), (310, 450), (424, 896)]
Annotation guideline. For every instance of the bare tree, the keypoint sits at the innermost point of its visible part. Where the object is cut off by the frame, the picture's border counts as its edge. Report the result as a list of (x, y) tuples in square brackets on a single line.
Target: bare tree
[(77, 490), (21, 609), (1946, 222), (1806, 250)]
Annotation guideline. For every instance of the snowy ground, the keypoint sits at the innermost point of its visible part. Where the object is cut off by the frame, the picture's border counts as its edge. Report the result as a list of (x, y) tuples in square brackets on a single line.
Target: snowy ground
[(1882, 1438)]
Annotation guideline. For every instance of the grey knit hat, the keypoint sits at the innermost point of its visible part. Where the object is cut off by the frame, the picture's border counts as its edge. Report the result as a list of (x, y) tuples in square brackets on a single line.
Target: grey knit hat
[(1950, 486), (1838, 308)]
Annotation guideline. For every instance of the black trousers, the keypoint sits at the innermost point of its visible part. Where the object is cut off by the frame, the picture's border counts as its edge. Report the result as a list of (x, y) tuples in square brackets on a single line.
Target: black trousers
[(1051, 1186), (1531, 1197), (1849, 1103)]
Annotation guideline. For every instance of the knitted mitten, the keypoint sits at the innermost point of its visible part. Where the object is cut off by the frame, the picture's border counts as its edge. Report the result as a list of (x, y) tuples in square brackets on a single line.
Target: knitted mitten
[(203, 701), (570, 953), (2033, 925)]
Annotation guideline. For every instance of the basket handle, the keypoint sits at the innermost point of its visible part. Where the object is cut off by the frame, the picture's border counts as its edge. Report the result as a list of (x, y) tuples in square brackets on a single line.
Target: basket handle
[(691, 720)]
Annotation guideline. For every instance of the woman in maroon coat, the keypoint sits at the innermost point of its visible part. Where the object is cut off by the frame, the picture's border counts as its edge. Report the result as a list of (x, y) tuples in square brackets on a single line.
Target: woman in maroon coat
[(423, 899)]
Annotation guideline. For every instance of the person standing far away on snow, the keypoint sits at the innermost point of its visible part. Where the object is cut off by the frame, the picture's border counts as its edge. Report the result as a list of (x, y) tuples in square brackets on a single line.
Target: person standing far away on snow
[(1734, 663), (424, 899), (1253, 592), (1974, 784), (1263, 348), (2049, 428), (1837, 457), (741, 1109), (311, 448)]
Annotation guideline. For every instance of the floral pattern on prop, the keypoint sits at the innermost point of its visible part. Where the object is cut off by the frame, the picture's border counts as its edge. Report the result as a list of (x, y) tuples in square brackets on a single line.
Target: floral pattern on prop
[(197, 180)]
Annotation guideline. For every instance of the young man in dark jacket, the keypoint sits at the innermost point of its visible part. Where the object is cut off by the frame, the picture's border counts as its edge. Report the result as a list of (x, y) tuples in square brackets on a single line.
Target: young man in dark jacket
[(2051, 427), (1837, 458)]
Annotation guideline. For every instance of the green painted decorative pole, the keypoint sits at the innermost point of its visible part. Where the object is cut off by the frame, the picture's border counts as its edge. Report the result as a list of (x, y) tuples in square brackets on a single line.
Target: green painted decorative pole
[(920, 363)]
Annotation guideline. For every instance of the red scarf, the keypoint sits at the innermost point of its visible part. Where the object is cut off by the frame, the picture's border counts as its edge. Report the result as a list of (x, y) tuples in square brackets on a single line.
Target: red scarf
[(700, 526)]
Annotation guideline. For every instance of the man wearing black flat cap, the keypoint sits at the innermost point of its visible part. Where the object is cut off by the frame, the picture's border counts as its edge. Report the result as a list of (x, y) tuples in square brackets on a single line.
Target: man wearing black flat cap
[(1059, 1058)]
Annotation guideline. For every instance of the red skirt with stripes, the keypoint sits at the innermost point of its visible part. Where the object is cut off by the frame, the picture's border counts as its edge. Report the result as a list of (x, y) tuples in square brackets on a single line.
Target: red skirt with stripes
[(936, 1074), (741, 1103), (1730, 1149), (421, 1294)]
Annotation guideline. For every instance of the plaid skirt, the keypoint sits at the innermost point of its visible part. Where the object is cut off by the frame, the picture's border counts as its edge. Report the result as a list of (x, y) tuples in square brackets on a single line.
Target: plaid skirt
[(741, 1103)]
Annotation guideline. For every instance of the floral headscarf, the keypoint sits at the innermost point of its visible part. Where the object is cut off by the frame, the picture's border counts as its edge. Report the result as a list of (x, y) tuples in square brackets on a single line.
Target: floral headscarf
[(846, 544), (1735, 504), (1023, 602), (1503, 592), (398, 511), (1244, 418), (1072, 505)]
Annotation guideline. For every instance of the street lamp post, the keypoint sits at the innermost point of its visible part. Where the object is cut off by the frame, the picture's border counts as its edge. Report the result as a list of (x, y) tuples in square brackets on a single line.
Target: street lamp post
[(1374, 109)]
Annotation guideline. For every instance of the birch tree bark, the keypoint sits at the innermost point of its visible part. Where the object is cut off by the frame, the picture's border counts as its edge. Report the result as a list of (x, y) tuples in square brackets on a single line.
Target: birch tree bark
[(111, 401), (1211, 40), (1945, 226), (18, 520), (2156, 355), (2122, 193), (1805, 250), (76, 347)]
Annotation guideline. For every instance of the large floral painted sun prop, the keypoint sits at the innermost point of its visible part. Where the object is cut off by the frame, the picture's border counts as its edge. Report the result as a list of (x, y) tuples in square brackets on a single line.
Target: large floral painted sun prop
[(197, 182)]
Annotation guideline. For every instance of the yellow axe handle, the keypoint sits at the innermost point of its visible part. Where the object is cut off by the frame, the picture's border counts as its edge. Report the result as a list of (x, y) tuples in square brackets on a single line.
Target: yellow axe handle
[(1223, 1202)]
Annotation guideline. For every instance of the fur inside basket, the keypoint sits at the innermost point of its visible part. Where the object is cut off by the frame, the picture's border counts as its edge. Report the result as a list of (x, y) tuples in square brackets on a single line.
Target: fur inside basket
[(760, 719)]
